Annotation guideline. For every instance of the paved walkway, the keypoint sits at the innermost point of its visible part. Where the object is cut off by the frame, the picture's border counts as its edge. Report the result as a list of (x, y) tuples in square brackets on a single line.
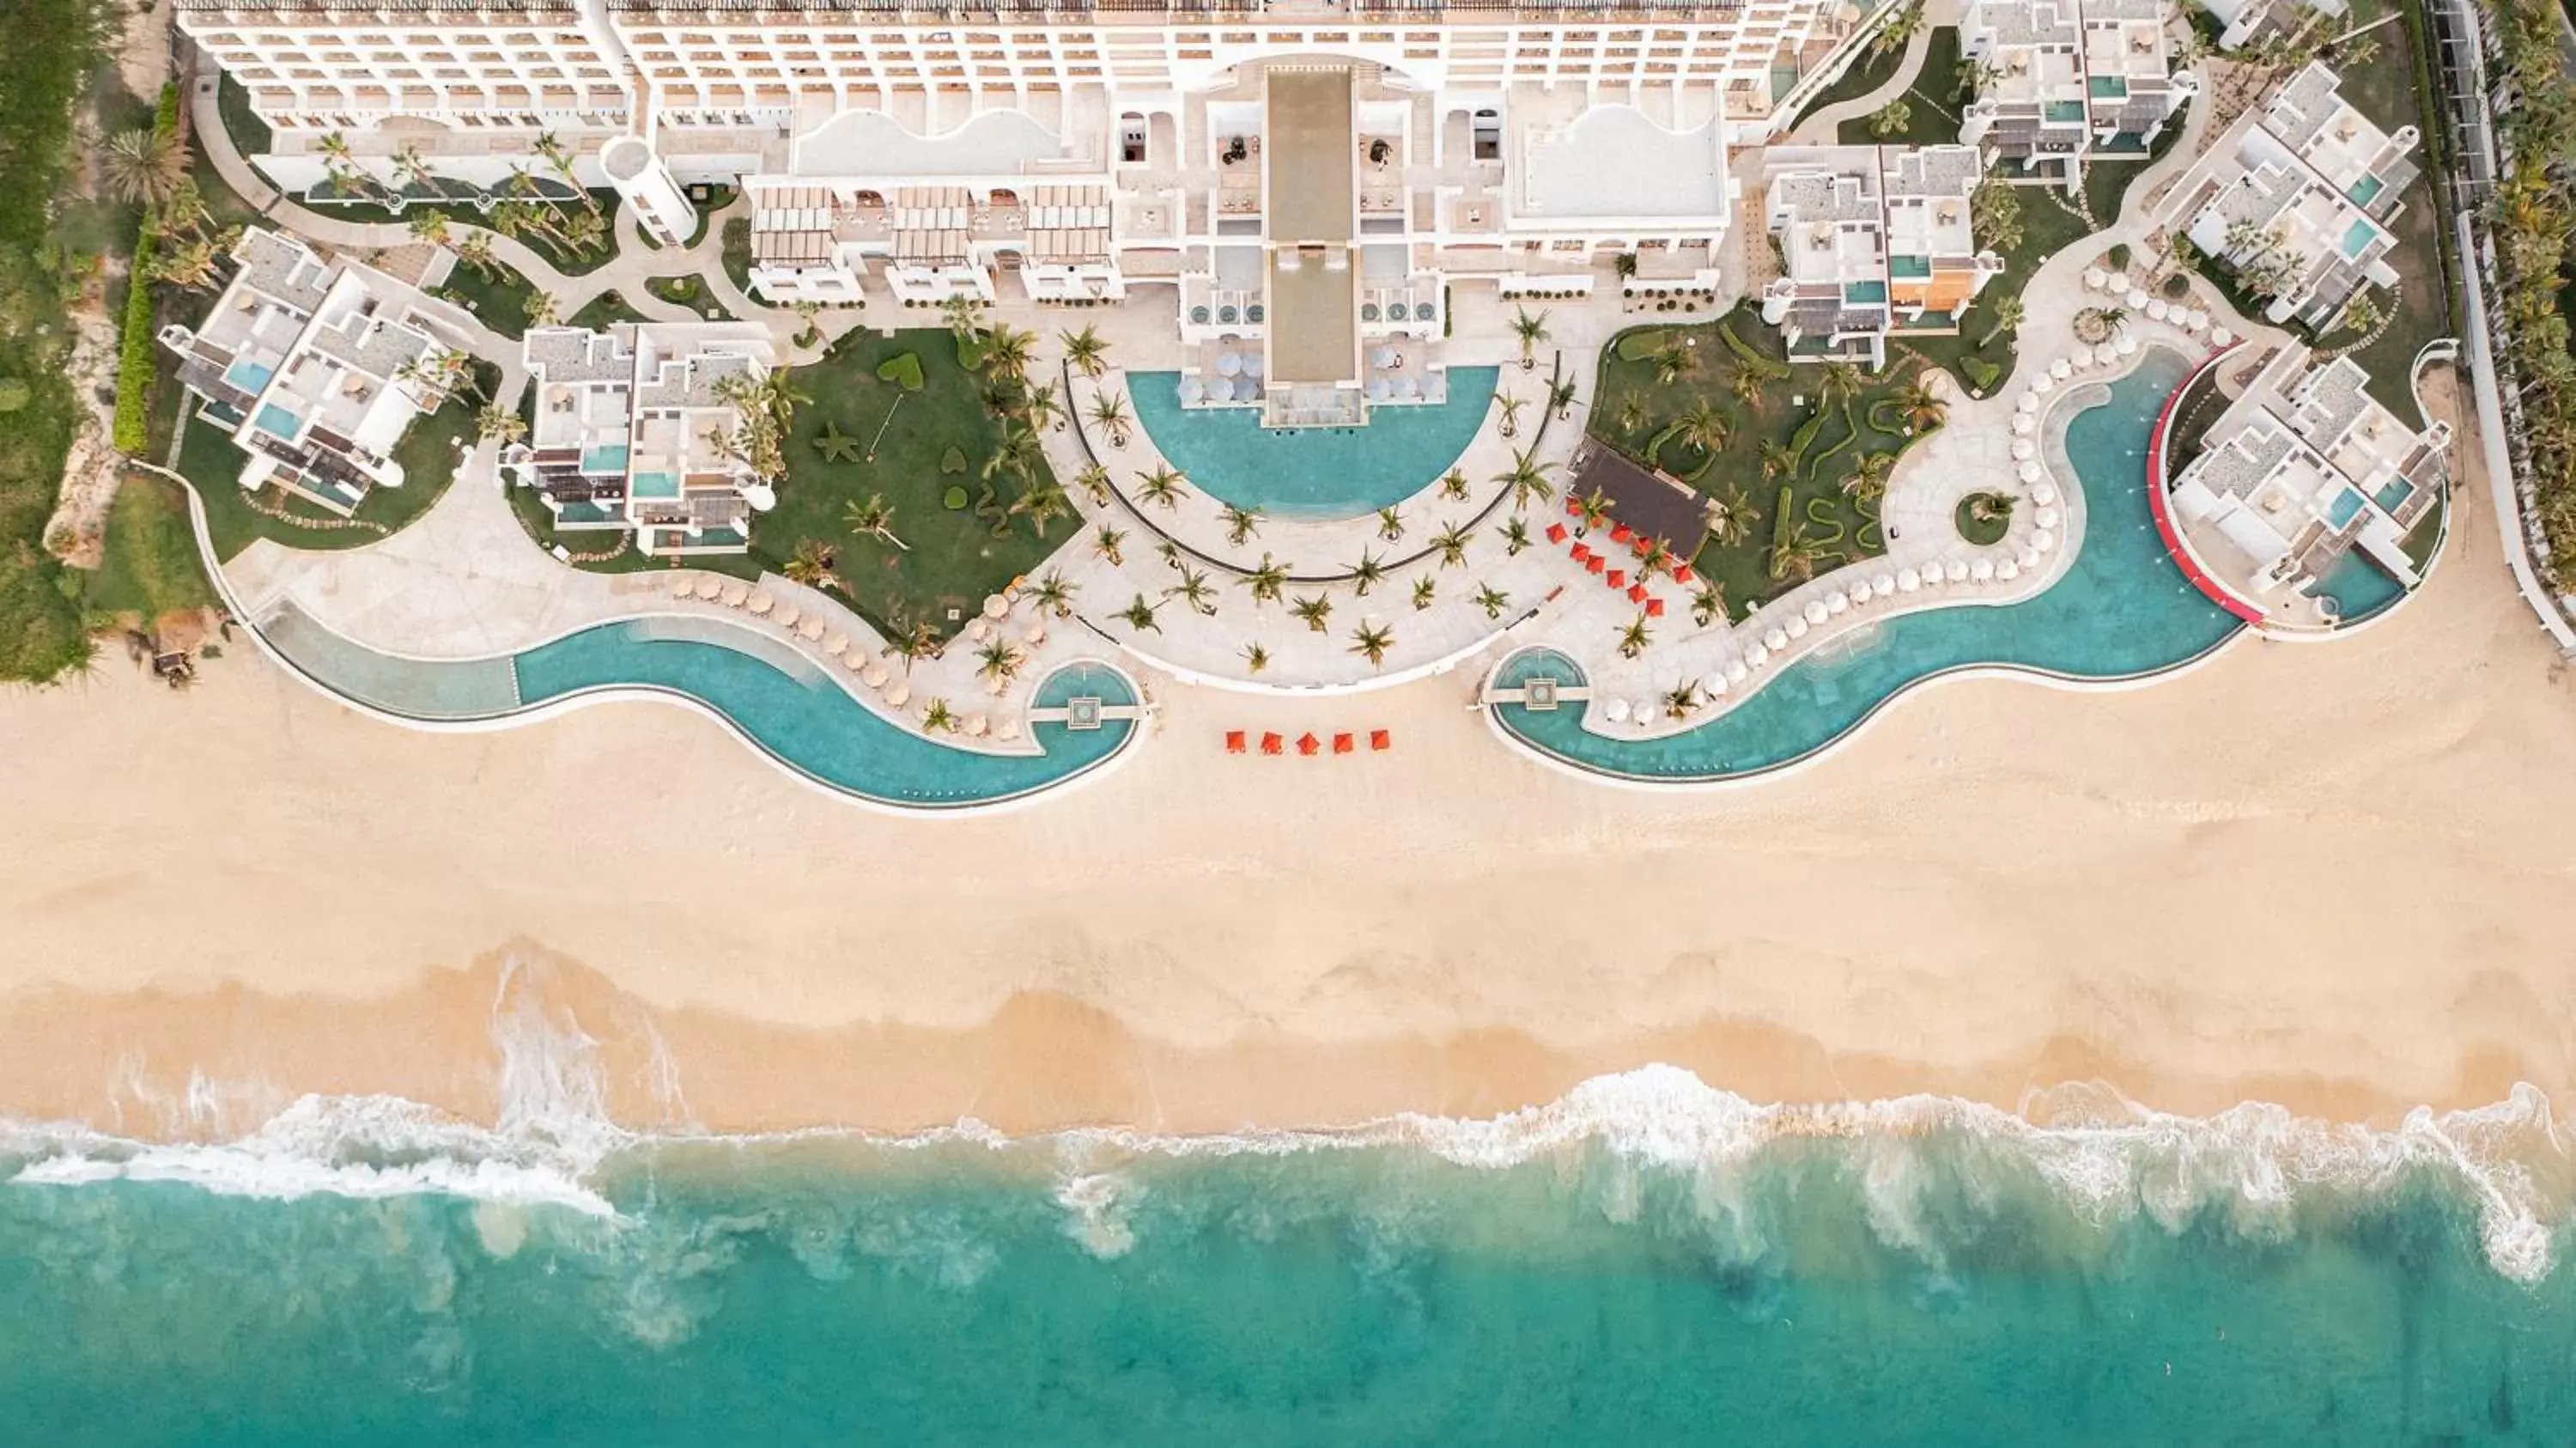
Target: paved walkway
[(1822, 127)]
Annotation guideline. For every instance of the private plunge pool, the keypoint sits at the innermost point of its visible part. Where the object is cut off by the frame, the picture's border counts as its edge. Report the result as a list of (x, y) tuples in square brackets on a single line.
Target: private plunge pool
[(2121, 611), (1316, 473), (774, 696)]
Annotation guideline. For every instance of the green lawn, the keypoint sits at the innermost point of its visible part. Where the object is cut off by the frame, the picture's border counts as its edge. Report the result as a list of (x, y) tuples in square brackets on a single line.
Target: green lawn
[(2049, 225), (1817, 500), (955, 559), (1864, 76), (2384, 90), (604, 311), (689, 292), (148, 565), (500, 300), (1933, 100), (737, 253)]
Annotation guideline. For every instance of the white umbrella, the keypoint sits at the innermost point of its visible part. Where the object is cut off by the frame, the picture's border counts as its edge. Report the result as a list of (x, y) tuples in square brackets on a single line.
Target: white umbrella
[(1858, 593), (837, 645), (734, 595), (1252, 365), (1774, 638), (875, 675), (2043, 540), (898, 696), (2061, 369), (1405, 387), (2047, 518), (2220, 336), (1884, 585), (1716, 683), (1037, 635), (2024, 424), (856, 662), (2157, 310), (1815, 611), (2115, 282), (761, 604), (1246, 390), (811, 630), (1983, 570), (1228, 364), (2125, 345), (2195, 320), (2093, 278), (994, 687), (1737, 673), (1756, 656), (2042, 382), (2028, 557), (2029, 471), (684, 585), (1378, 388), (2007, 570), (1193, 390), (2138, 301), (1908, 579), (1644, 709), (1616, 711), (975, 726), (1798, 626), (996, 606), (1956, 570), (1835, 603), (2044, 493), (2023, 449), (1383, 357), (2029, 402), (785, 617)]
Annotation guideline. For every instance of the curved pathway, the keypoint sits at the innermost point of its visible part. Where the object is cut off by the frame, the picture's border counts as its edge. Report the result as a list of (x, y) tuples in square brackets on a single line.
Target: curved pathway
[(1821, 128)]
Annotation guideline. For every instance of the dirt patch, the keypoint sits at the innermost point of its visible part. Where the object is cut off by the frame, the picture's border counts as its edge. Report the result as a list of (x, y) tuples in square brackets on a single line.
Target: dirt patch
[(143, 47), (92, 468)]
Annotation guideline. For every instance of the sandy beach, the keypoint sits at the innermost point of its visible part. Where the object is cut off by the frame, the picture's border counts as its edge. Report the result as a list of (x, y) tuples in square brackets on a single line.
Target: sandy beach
[(2333, 877)]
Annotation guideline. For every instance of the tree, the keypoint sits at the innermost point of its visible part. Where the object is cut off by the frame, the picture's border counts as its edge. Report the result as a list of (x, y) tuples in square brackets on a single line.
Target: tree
[(1053, 594), (1094, 482), (1107, 543), (2360, 316), (1162, 487), (811, 565), (1087, 352), (1746, 384), (475, 251), (496, 421), (1390, 523), (937, 717), (1796, 554), (1515, 534), (1683, 700), (1266, 581), (1139, 616), (1923, 411), (1868, 479), (543, 309), (144, 165), (1592, 509), (1990, 507), (1730, 516), (1451, 542), (1510, 407), (962, 316), (1371, 641), (1453, 485), (998, 662), (1634, 637), (1007, 350), (1368, 573), (1527, 478), (1255, 658), (1702, 426), (1708, 605), (873, 517), (2008, 315), (1890, 119), (1841, 382), (1492, 600), (1994, 215), (1779, 460), (1673, 360), (190, 265), (1040, 410), (1560, 399), (1015, 451), (1425, 590), (1194, 590), (1898, 32), (1241, 524), (1530, 331), (1313, 612), (1042, 502), (1109, 409)]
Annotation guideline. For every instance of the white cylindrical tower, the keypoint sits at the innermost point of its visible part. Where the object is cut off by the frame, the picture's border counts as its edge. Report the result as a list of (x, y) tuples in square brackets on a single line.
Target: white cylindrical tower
[(640, 177)]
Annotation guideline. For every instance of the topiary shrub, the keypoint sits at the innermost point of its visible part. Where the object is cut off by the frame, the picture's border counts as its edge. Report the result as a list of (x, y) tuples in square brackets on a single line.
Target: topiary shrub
[(954, 499), (1982, 374), (902, 369), (952, 461)]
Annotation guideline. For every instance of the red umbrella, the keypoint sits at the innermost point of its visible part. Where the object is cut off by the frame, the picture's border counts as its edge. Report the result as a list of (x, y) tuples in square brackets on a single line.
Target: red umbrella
[(1234, 741), (1644, 545), (1620, 533), (1636, 593), (1556, 532), (1341, 744), (1307, 743), (1270, 743), (1573, 508), (1654, 608), (1595, 563), (1380, 739), (1618, 578), (1682, 573), (1582, 553)]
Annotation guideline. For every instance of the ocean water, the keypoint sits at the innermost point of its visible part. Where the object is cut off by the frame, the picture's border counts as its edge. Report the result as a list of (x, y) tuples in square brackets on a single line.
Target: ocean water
[(1649, 1260)]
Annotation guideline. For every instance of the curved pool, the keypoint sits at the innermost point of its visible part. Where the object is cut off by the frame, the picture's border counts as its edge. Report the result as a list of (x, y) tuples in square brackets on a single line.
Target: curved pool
[(2121, 611), (775, 697), (1316, 473)]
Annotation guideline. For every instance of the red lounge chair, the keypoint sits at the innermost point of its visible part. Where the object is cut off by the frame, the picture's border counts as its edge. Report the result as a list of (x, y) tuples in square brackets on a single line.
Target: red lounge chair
[(1573, 508), (1341, 744), (1234, 741), (1619, 533), (1636, 593), (1618, 578), (1595, 563), (1380, 740), (1654, 608), (1682, 573), (1307, 744), (1556, 532), (1271, 743)]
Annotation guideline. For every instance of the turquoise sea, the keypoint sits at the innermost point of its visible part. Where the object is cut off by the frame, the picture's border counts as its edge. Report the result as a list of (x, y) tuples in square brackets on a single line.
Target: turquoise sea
[(1648, 1261)]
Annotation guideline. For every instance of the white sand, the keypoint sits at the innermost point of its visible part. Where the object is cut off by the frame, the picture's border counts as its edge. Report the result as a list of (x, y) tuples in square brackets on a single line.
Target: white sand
[(2335, 875)]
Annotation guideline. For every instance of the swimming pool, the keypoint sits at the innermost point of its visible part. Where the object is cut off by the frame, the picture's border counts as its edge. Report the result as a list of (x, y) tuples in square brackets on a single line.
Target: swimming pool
[(2122, 610), (249, 376), (1316, 473), (277, 422), (604, 457), (2360, 588), (778, 699), (656, 485)]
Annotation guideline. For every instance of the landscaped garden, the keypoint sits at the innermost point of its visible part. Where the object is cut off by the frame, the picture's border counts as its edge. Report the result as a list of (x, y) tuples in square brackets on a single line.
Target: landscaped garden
[(1793, 459), (1928, 113), (687, 291), (603, 312)]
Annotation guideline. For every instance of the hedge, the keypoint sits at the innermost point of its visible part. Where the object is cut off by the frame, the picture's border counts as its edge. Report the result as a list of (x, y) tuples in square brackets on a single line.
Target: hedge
[(1754, 361), (135, 363)]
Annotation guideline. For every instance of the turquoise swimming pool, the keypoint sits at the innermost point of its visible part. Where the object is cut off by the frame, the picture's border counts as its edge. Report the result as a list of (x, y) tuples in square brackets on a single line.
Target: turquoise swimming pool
[(778, 699), (2360, 588), (2121, 611), (1313, 472)]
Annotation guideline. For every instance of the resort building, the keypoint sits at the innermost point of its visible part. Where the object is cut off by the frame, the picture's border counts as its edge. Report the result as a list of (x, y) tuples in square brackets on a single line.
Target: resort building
[(2302, 472), (2061, 81), (2244, 21), (316, 368), (2296, 198), (629, 429), (1872, 240)]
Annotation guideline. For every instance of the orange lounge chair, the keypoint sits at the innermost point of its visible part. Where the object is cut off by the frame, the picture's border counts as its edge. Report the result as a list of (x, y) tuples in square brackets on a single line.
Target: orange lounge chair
[(1234, 741), (1270, 743), (1307, 744), (1341, 744), (1380, 740)]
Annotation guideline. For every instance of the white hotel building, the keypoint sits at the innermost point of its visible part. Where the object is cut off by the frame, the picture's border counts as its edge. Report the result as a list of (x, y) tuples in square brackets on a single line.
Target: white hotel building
[(1072, 152)]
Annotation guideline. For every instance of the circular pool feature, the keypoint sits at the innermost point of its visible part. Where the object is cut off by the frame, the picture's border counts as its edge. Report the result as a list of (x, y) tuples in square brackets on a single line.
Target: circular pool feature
[(1313, 473)]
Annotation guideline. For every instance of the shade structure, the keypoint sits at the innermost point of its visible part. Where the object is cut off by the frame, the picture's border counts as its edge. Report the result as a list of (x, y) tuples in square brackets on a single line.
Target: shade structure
[(1654, 608), (1682, 573), (734, 595), (1342, 744), (2029, 471), (978, 631), (996, 606), (2115, 281), (976, 726), (1616, 711), (1556, 532), (1644, 711), (2042, 383), (761, 604), (2138, 301), (1193, 390), (811, 630), (2195, 320), (1595, 563), (1956, 570), (1620, 533), (2027, 557), (2007, 570), (1037, 635), (1775, 638), (1714, 683), (1815, 611), (1234, 741), (1379, 389), (857, 661), (1252, 365), (1884, 585), (1582, 553), (1007, 729), (1858, 593), (1271, 743), (1983, 570), (2094, 276), (2025, 423), (2157, 309), (2023, 449), (837, 645), (1307, 744), (1617, 578), (1574, 507), (787, 616), (1797, 626), (1406, 387), (1736, 673), (684, 585), (1248, 389), (2045, 517), (2029, 402), (1382, 357), (874, 675), (1637, 593), (1229, 364), (898, 696), (1756, 656), (1381, 740), (1835, 603), (1908, 580), (2043, 540), (2043, 493), (2061, 369)]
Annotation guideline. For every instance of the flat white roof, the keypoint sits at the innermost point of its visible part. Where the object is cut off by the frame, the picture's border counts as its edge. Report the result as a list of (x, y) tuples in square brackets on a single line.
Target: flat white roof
[(1614, 162), (872, 143)]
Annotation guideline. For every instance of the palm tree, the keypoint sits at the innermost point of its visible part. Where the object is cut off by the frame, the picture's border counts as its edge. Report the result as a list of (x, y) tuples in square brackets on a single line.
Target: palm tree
[(1054, 594), (1086, 351), (1425, 590), (1313, 611), (192, 265), (873, 517), (1094, 482), (1139, 616), (543, 309), (1390, 523), (1492, 600), (1266, 581), (1560, 399), (476, 252), (1371, 641), (1702, 426), (1681, 702), (1634, 638), (1897, 33), (811, 565), (1673, 359), (1779, 460), (429, 228), (1730, 516), (1923, 410), (1007, 350), (1241, 524), (1868, 480), (1368, 573), (1630, 417), (1592, 509), (1656, 558), (1194, 590), (1043, 501), (961, 315), (1841, 382), (1040, 410), (1161, 486), (1109, 409), (1106, 543), (1708, 605), (1510, 407), (1746, 384), (496, 421), (1015, 451), (998, 661), (1891, 118), (1515, 534), (937, 717), (1990, 507), (2008, 314), (1453, 484), (1255, 658), (1452, 544), (1170, 553), (1796, 555), (1531, 331)]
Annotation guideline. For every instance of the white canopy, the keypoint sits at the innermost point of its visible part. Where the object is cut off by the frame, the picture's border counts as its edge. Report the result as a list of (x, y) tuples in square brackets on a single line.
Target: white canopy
[(2029, 471)]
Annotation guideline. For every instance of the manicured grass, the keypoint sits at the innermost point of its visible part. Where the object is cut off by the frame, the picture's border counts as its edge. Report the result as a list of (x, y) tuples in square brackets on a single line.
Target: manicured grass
[(2049, 226), (604, 311), (955, 558), (737, 254), (539, 523), (1864, 76), (369, 211), (689, 292), (2384, 90), (1816, 497), (500, 300), (1933, 100), (1984, 532), (148, 564)]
